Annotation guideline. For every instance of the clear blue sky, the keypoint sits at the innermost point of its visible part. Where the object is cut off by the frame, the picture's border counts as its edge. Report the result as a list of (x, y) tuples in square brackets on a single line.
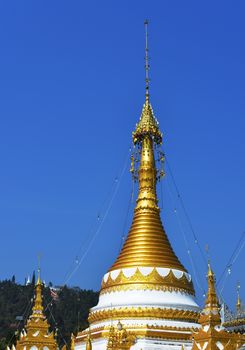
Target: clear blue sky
[(71, 91)]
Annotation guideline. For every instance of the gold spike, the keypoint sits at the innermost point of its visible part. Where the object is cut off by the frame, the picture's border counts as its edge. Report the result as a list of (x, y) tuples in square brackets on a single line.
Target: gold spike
[(238, 303), (39, 282), (210, 272), (37, 310), (212, 300), (210, 314)]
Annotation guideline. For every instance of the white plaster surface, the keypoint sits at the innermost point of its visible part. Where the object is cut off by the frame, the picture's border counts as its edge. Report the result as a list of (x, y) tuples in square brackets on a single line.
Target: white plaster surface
[(141, 344), (149, 323), (146, 298)]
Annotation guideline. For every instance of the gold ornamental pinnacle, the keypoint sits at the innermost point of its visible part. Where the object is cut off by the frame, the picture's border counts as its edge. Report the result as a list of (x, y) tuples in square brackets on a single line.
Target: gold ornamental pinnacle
[(37, 329)]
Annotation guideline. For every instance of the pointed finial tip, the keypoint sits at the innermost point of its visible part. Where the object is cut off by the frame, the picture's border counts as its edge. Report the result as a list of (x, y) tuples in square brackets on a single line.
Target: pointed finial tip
[(39, 281), (238, 303), (210, 272), (147, 67)]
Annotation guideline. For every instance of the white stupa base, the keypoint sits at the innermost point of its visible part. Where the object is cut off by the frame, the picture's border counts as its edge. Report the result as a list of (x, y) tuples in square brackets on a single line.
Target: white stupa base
[(151, 344), (148, 323), (147, 298), (162, 331), (147, 343), (141, 344)]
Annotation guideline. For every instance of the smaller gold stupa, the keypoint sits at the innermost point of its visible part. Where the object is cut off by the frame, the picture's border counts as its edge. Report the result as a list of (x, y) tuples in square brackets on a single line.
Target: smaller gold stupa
[(212, 335), (36, 335)]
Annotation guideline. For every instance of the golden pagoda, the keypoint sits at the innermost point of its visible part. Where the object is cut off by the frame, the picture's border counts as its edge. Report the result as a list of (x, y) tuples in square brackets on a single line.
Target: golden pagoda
[(212, 335), (147, 290), (36, 334), (235, 322)]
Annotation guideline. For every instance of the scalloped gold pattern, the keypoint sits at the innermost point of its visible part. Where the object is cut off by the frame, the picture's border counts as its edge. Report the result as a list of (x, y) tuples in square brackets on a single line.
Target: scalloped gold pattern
[(152, 281)]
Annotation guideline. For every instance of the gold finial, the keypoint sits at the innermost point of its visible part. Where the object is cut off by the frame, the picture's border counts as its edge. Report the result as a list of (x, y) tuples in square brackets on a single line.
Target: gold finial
[(212, 299), (37, 310), (148, 125), (39, 281), (210, 314), (238, 303), (210, 272), (147, 67)]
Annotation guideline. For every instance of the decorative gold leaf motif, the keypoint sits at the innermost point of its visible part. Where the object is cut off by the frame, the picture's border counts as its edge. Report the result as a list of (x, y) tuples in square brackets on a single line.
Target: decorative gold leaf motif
[(152, 281)]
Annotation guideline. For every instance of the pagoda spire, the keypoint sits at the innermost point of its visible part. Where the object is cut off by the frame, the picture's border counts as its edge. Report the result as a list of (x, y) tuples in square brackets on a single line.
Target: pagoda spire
[(238, 303), (211, 336), (211, 312), (36, 331), (37, 310)]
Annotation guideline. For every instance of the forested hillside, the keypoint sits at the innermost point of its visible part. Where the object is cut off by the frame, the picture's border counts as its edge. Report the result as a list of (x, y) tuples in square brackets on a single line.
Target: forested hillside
[(66, 310)]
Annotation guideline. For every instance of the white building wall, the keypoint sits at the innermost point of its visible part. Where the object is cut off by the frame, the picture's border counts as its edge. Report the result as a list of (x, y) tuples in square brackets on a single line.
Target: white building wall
[(141, 344)]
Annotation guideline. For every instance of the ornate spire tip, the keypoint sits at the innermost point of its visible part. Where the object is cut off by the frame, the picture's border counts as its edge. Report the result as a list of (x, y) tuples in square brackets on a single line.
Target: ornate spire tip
[(147, 67)]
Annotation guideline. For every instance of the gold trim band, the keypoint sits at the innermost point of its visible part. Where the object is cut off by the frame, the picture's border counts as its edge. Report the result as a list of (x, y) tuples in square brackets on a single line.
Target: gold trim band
[(143, 312)]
